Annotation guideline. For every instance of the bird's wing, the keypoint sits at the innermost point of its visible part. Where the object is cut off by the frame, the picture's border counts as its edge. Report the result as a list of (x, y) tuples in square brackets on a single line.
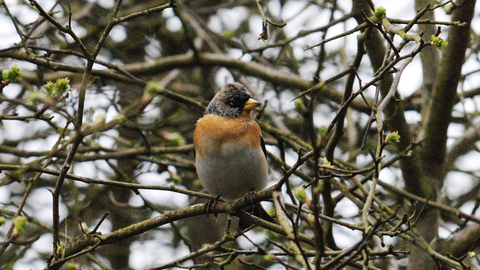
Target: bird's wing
[(264, 149)]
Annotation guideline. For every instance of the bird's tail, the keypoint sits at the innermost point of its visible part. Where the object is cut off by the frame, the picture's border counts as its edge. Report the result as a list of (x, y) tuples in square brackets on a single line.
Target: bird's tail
[(256, 210)]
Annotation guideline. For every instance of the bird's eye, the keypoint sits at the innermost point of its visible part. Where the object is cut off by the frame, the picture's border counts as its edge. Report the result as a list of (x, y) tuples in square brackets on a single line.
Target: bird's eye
[(235, 102)]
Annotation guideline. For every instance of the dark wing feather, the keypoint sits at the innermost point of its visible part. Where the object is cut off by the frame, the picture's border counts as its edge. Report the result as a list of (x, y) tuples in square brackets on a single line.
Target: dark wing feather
[(262, 142)]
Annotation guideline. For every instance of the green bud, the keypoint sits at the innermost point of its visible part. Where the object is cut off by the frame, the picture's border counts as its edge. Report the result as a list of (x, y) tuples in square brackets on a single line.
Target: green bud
[(271, 212), (311, 218), (175, 179), (438, 42), (380, 12), (392, 137), (50, 87), (228, 35), (71, 266), (2, 220), (99, 120), (448, 9), (300, 106), (120, 119), (323, 131), (153, 89), (173, 139), (300, 194), (198, 184), (63, 85), (320, 187), (271, 234), (327, 164), (61, 249), (11, 74), (58, 88), (20, 222), (471, 254), (269, 257)]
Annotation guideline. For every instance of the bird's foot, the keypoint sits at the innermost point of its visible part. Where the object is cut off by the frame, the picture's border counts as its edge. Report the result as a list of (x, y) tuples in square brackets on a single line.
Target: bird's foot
[(250, 196), (211, 204)]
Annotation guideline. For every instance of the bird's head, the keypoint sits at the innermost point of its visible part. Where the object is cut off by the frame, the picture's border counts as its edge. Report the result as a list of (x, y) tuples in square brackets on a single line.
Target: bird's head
[(233, 100)]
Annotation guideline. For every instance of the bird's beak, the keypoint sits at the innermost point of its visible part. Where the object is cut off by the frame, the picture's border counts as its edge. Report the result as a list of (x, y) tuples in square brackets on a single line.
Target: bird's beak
[(251, 104)]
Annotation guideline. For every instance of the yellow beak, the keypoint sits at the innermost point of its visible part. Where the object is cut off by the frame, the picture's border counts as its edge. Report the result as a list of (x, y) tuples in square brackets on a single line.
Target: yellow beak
[(251, 104)]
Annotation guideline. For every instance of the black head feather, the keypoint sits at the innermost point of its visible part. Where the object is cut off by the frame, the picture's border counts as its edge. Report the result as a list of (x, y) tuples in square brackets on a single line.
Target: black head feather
[(230, 101)]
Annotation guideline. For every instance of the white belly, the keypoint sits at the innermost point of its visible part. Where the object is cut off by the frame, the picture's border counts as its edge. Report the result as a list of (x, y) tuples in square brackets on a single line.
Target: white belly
[(231, 175)]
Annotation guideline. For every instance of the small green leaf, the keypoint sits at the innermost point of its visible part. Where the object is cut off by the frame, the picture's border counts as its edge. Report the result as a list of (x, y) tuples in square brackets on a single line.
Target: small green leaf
[(320, 187), (323, 131), (153, 89), (50, 87), (20, 222), (58, 88), (380, 12), (438, 42), (269, 257), (327, 164), (392, 137), (12, 74), (301, 194)]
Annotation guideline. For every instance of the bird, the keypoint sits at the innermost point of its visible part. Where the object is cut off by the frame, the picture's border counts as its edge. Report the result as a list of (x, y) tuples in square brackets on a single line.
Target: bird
[(230, 154)]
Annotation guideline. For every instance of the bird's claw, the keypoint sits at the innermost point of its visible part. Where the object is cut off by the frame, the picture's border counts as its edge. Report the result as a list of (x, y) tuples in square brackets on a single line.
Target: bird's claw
[(250, 196), (211, 204)]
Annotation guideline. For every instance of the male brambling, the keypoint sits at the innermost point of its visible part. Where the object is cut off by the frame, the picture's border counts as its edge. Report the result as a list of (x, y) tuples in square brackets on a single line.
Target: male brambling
[(230, 154)]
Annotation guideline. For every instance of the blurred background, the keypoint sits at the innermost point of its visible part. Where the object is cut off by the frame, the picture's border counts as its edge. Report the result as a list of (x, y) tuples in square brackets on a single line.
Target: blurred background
[(99, 100)]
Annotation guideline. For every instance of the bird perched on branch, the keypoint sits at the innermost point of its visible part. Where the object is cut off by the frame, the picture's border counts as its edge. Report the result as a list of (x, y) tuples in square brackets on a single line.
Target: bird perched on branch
[(230, 154)]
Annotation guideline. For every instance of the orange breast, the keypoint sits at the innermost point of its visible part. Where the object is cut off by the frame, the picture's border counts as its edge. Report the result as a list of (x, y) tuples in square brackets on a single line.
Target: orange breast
[(213, 131)]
